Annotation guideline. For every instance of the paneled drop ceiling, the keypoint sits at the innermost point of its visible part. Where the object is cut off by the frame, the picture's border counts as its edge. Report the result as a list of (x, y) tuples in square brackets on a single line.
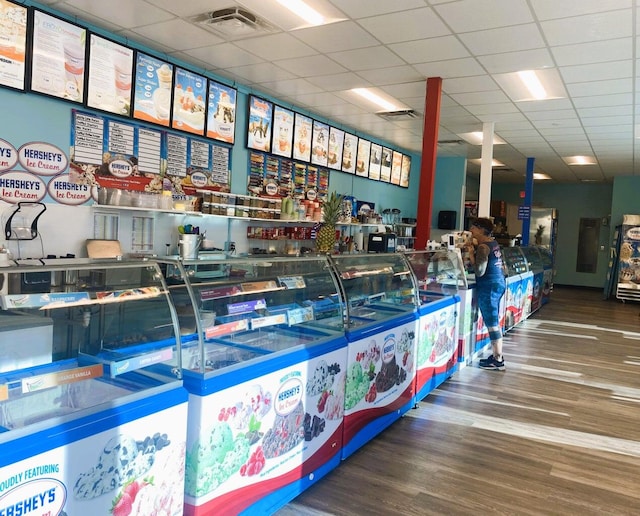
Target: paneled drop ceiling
[(590, 45)]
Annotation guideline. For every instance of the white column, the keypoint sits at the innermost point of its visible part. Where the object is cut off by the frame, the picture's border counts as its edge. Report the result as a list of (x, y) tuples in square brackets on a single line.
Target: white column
[(484, 196)]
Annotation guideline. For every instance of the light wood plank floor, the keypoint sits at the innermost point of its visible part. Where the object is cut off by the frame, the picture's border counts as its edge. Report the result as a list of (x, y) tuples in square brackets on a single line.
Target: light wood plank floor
[(557, 433)]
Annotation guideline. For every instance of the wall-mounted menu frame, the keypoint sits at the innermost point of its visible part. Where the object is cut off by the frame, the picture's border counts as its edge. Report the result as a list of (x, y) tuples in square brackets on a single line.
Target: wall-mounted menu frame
[(189, 109), (406, 170), (349, 153), (396, 167), (282, 144), (375, 161), (13, 44), (336, 142), (260, 124), (221, 112), (362, 158), (58, 57), (302, 133), (320, 143), (385, 165), (152, 89), (109, 76)]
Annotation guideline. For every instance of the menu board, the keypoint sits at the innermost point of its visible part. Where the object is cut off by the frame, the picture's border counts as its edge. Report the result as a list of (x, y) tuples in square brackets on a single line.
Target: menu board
[(303, 127), (259, 126), (110, 68), (152, 90), (320, 143), (188, 102), (282, 144), (375, 160), (58, 60), (13, 40), (363, 156), (336, 142), (349, 152), (385, 165), (406, 169), (221, 109), (396, 167)]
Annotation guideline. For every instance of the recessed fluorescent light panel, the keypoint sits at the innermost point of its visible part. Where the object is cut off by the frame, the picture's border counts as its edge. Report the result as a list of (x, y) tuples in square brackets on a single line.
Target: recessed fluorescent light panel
[(541, 175), (304, 11), (528, 85), (494, 163), (580, 160), (475, 138), (378, 98)]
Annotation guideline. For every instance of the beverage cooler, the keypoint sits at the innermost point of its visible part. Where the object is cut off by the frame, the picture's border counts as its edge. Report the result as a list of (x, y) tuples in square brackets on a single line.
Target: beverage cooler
[(381, 327), (266, 379), (444, 322), (88, 425)]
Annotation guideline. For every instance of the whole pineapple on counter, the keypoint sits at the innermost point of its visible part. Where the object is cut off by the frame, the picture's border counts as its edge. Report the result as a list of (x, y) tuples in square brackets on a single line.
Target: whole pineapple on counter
[(326, 235)]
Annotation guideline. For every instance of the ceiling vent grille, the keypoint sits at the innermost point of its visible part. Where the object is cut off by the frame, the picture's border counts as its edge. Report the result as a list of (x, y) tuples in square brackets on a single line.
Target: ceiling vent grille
[(451, 142), (401, 114), (233, 23)]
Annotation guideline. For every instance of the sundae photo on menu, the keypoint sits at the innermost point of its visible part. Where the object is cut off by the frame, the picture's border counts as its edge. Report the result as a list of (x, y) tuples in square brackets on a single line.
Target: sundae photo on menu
[(396, 167), (188, 102), (259, 127), (320, 145), (221, 120), (58, 60), (110, 68), (374, 161), (363, 156), (385, 165), (334, 153), (349, 152), (302, 137), (13, 39), (152, 90), (406, 168), (282, 131)]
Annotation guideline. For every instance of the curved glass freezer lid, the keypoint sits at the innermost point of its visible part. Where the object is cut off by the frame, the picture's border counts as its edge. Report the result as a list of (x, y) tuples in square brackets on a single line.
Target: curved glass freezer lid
[(440, 272), (514, 260), (261, 304)]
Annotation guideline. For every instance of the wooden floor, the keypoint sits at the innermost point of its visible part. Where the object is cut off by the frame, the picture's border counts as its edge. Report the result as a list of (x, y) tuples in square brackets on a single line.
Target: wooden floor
[(557, 433)]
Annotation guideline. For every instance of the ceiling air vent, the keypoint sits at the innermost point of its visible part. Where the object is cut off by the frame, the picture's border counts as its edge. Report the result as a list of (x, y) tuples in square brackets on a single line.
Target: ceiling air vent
[(451, 142), (402, 114), (233, 23)]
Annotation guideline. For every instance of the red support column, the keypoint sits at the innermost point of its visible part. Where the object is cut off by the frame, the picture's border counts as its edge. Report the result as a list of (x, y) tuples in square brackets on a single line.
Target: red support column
[(428, 164)]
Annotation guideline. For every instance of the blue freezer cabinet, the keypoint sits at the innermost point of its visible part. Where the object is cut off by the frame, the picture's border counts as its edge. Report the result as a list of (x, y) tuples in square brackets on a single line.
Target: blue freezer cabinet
[(381, 327), (266, 380), (86, 422)]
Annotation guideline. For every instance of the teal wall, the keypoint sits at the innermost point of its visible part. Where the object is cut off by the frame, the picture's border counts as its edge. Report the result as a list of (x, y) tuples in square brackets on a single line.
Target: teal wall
[(448, 187), (625, 195)]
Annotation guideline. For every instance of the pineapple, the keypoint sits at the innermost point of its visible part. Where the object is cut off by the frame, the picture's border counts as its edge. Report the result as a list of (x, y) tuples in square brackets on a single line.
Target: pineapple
[(326, 235)]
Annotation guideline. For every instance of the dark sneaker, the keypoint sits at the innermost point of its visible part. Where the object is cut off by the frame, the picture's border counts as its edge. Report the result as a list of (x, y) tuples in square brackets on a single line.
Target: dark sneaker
[(491, 363)]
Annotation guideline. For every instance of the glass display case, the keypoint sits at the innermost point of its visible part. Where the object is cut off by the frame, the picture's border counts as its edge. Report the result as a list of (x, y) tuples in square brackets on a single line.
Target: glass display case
[(438, 273), (266, 378), (85, 348), (514, 261)]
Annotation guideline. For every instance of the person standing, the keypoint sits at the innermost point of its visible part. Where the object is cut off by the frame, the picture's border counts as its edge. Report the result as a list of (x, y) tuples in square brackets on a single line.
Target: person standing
[(486, 258)]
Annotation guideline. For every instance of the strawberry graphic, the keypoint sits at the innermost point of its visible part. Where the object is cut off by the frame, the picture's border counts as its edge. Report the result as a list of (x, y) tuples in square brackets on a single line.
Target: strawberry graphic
[(322, 401), (122, 505)]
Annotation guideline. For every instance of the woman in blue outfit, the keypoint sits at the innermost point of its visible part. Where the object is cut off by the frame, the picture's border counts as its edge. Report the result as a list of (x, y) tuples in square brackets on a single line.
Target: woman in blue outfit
[(486, 258)]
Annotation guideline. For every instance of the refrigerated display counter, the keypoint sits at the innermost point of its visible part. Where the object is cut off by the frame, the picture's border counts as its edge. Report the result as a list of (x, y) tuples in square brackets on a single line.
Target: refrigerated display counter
[(266, 379), (380, 315), (519, 284), (86, 417), (444, 316), (535, 264)]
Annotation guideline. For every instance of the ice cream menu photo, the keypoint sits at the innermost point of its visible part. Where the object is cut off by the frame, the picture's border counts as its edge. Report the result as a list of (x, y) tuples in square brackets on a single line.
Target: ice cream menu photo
[(13, 39), (58, 61), (152, 90), (303, 126), (110, 69), (221, 118), (259, 127), (282, 131), (189, 93)]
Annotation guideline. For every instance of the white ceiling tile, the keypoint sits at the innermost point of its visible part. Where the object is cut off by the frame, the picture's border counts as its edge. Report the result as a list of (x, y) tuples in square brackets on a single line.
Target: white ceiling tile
[(593, 52), (370, 58), (473, 15), (583, 89), (469, 84), (429, 50), (123, 13), (390, 75), (548, 9), (606, 120), (619, 99), (499, 118), (276, 46), (592, 27), (320, 99), (490, 97), (552, 115), (360, 9), (136, 40), (292, 87), (505, 39), (191, 7), (339, 81), (311, 65), (88, 18), (587, 112), (261, 72), (486, 109), (336, 37), (452, 68), (599, 71), (507, 62), (416, 24), (406, 89), (178, 34), (225, 55), (545, 105)]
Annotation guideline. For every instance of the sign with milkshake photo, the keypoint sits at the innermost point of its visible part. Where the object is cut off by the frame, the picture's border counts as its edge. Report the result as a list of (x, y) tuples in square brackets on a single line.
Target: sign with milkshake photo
[(221, 119), (110, 68), (13, 39), (152, 90), (58, 60), (189, 93)]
